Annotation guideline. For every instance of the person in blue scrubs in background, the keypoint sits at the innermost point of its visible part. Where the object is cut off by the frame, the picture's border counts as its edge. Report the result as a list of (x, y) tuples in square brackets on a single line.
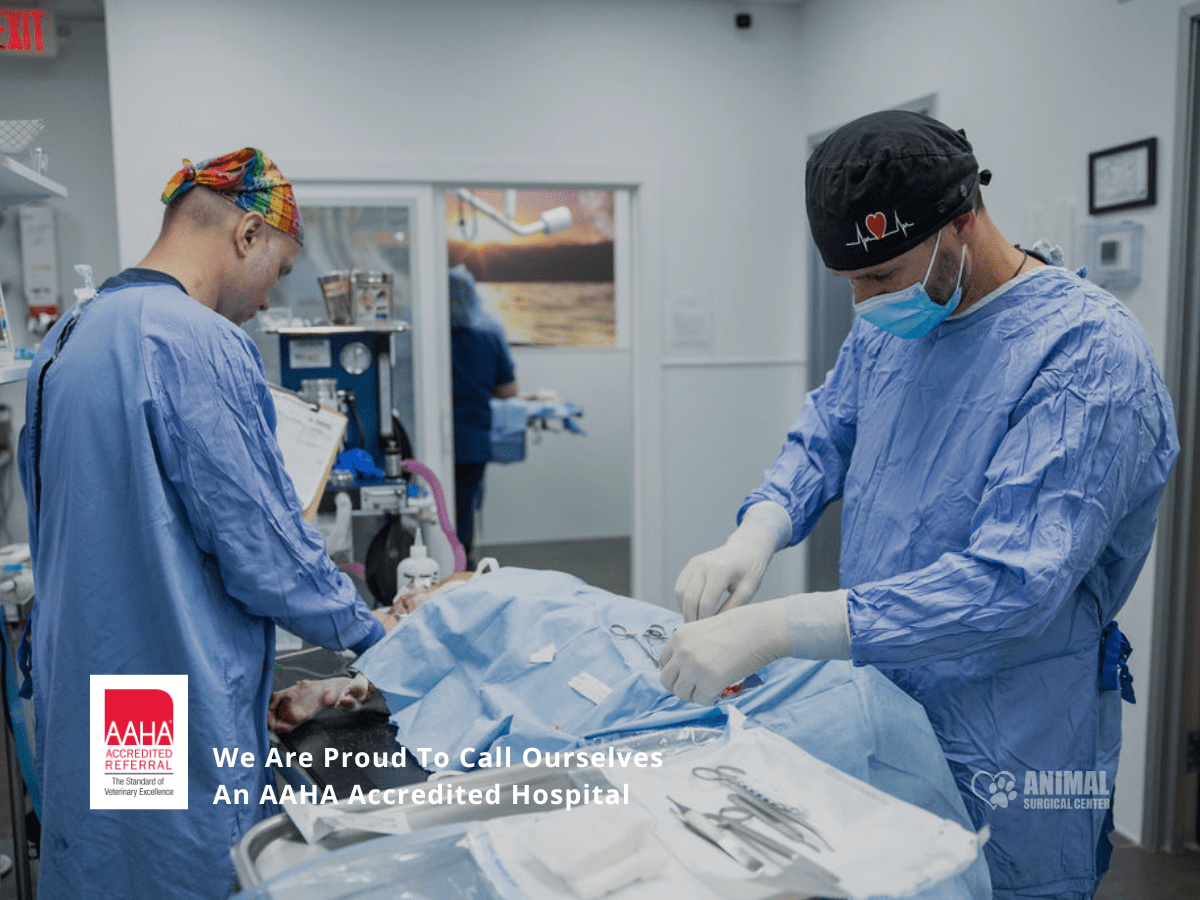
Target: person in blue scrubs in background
[(167, 538), (1001, 436), (483, 368)]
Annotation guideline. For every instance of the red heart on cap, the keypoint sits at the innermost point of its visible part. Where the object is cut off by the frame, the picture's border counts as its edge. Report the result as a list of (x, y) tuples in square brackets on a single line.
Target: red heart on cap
[(877, 224)]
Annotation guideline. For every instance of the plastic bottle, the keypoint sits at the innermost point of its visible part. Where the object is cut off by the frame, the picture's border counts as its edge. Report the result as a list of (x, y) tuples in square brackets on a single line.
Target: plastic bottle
[(6, 345), (418, 570), (339, 543)]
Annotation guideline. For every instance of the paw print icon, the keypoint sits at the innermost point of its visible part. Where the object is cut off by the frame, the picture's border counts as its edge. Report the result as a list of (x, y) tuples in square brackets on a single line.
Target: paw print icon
[(1002, 791), (997, 791)]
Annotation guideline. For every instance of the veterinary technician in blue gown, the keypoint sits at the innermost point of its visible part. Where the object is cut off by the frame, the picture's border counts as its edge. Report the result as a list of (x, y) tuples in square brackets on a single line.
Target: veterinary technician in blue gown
[(483, 369), (167, 539), (1000, 434)]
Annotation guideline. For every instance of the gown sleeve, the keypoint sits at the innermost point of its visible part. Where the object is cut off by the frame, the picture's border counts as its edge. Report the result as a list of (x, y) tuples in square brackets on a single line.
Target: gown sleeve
[(214, 425), (1071, 493), (810, 470)]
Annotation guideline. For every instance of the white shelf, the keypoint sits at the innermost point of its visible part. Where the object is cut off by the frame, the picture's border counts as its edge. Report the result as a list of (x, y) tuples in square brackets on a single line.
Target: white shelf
[(20, 184), (14, 371)]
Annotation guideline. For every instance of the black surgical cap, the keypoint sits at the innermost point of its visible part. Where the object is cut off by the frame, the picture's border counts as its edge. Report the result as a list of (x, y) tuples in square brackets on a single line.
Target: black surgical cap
[(884, 183)]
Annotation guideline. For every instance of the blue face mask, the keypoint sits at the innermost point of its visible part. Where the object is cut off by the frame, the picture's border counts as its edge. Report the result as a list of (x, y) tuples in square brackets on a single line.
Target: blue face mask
[(911, 313)]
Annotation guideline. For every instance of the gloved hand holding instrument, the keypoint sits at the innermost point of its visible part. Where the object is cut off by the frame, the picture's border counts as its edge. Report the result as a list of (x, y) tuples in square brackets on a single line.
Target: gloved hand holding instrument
[(736, 567), (703, 657)]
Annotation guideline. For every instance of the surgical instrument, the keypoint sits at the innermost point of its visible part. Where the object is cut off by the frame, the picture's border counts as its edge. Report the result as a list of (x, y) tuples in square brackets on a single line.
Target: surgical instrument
[(655, 633), (700, 824), (622, 632), (778, 814), (735, 818), (785, 826)]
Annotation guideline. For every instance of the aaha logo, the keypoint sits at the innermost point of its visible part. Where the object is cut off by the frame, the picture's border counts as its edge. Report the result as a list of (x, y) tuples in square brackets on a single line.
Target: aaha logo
[(138, 717), (138, 739)]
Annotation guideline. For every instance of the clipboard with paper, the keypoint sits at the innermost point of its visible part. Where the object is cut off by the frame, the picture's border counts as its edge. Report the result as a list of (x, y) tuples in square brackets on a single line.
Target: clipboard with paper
[(309, 437)]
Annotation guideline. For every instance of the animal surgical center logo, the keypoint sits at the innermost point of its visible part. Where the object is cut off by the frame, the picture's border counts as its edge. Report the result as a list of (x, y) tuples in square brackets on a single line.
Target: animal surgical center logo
[(138, 741), (1043, 790)]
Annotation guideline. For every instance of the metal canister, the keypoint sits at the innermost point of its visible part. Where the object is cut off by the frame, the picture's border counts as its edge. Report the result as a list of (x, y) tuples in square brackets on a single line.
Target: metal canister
[(372, 292), (335, 288), (322, 391)]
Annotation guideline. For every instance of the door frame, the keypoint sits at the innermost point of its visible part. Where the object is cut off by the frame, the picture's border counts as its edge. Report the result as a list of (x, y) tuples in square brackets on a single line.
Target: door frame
[(431, 335), (645, 241), (1170, 790)]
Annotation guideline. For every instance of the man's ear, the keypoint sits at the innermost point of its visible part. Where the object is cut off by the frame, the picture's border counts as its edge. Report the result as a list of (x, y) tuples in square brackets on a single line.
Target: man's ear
[(964, 225), (249, 230)]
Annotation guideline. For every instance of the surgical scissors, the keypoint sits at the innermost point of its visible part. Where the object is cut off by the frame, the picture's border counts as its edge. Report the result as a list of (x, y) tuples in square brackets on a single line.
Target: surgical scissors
[(622, 632), (774, 813)]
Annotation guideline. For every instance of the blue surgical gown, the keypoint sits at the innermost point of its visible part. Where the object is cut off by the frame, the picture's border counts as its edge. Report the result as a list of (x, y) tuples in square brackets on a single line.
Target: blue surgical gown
[(1001, 479), (169, 540)]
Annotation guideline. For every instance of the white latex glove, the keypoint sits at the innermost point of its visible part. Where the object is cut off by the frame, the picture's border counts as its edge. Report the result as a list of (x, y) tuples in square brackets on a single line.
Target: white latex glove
[(705, 657), (736, 567)]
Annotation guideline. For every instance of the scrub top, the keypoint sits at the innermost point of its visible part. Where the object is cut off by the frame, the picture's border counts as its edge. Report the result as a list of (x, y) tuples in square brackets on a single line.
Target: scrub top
[(1001, 479), (167, 539)]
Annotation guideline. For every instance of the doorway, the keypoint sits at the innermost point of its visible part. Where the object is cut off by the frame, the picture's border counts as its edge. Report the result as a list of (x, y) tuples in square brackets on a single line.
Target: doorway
[(1172, 787), (559, 493)]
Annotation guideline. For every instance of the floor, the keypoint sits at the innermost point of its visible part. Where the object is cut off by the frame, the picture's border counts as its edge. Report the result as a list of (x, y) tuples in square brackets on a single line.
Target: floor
[(1136, 873), (601, 562)]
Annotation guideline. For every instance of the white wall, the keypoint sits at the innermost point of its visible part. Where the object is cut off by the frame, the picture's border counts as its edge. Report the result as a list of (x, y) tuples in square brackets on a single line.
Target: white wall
[(69, 92), (1037, 86), (655, 86), (568, 486)]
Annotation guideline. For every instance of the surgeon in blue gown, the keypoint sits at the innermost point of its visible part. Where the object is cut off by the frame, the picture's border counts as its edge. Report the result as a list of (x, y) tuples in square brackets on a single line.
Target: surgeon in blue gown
[(1001, 436), (167, 538)]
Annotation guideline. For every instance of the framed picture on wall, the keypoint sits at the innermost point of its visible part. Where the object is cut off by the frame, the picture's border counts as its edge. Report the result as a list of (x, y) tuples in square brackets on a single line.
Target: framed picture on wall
[(555, 288), (1122, 177)]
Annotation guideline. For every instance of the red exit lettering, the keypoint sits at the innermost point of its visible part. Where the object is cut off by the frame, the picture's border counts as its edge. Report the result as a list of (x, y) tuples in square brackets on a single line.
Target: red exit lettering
[(21, 30)]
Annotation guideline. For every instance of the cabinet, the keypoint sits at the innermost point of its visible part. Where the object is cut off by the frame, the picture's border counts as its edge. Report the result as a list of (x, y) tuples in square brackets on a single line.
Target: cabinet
[(20, 184)]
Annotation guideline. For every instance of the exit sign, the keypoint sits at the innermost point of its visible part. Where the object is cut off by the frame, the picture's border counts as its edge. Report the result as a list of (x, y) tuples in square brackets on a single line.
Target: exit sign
[(27, 33)]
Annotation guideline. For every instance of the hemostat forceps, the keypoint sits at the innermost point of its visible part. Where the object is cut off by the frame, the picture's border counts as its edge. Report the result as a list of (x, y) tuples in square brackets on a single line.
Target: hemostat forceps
[(655, 633), (785, 825), (735, 818), (779, 816), (622, 632)]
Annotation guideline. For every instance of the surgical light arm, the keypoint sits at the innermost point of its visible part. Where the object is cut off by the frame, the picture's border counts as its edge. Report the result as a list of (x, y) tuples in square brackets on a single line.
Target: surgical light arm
[(551, 221)]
